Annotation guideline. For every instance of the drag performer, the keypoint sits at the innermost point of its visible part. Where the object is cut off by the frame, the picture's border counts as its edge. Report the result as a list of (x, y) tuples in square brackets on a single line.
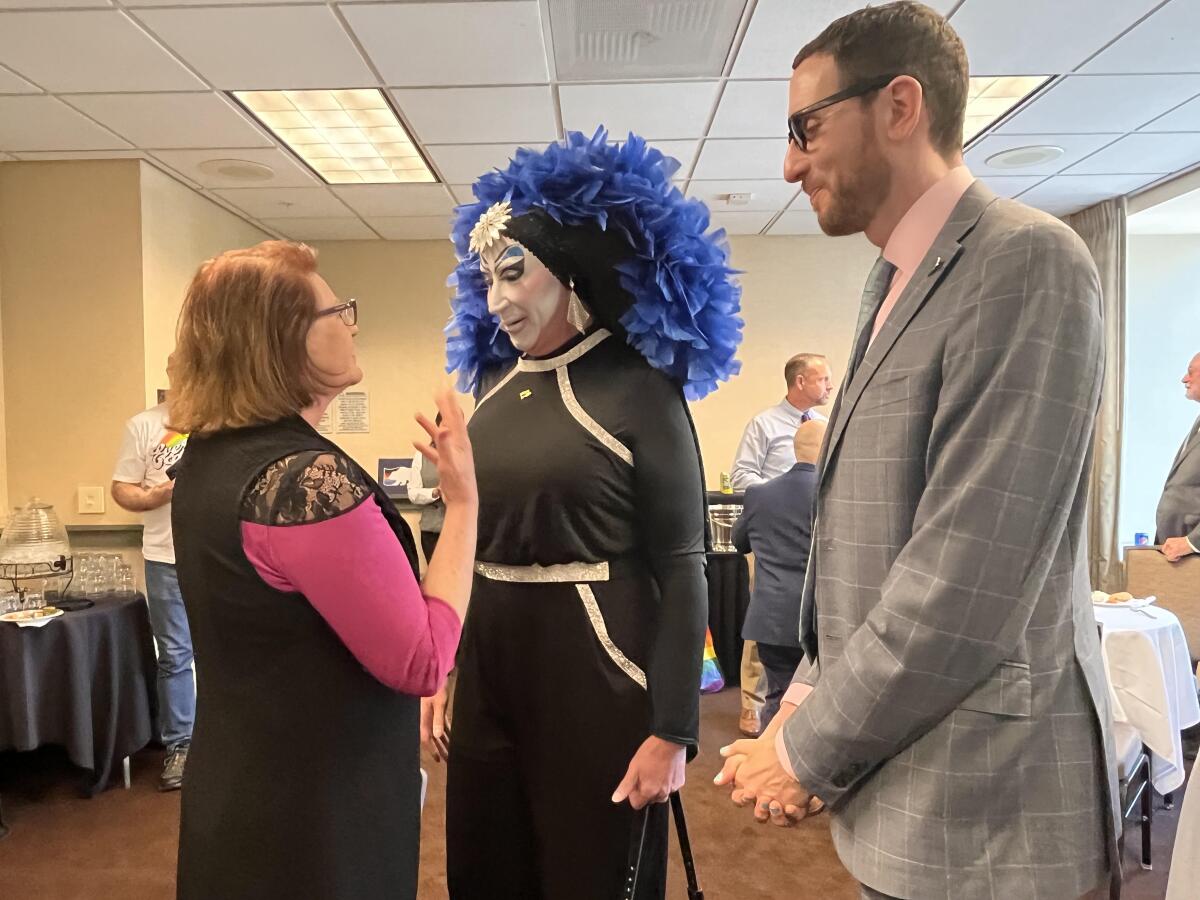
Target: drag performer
[(590, 304)]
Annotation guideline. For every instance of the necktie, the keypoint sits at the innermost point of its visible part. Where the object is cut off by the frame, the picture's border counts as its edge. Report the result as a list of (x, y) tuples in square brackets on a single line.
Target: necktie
[(872, 298)]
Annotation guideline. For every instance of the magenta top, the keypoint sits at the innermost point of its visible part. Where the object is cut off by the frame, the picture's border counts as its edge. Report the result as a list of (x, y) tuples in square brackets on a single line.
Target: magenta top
[(354, 572)]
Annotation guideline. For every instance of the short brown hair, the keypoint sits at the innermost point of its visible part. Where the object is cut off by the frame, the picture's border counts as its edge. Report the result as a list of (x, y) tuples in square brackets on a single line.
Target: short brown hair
[(241, 356), (799, 364), (903, 38)]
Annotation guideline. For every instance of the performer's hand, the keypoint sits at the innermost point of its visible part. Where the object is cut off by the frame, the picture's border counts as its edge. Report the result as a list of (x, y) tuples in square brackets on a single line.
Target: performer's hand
[(450, 450), (654, 773), (434, 736), (1176, 548)]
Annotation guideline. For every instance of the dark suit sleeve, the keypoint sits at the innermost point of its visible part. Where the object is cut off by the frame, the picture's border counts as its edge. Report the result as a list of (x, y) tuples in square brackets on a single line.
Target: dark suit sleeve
[(1009, 442), (741, 528)]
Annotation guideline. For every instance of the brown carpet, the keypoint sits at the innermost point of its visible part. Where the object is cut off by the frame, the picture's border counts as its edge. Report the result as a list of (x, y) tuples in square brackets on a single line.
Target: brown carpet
[(121, 844)]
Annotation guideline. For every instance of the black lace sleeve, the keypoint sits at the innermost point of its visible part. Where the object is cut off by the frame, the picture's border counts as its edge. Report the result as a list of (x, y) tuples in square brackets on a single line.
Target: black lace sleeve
[(305, 487)]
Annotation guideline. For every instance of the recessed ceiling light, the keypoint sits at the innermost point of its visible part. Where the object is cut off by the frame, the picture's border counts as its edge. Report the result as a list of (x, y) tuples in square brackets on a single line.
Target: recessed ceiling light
[(1023, 157), (237, 169), (345, 136), (990, 98)]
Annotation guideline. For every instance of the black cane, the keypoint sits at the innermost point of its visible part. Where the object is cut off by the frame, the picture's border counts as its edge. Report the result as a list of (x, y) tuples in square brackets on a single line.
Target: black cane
[(685, 849), (637, 841)]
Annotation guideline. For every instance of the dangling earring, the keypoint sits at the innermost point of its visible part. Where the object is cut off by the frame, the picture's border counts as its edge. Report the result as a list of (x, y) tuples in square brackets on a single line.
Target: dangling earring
[(577, 313)]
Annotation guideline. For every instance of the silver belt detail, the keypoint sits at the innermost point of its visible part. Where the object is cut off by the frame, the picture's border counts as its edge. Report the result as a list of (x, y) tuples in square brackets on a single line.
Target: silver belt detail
[(535, 574)]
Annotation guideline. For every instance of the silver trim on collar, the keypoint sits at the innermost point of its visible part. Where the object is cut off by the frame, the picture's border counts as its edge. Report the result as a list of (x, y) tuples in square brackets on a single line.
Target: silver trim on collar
[(563, 359)]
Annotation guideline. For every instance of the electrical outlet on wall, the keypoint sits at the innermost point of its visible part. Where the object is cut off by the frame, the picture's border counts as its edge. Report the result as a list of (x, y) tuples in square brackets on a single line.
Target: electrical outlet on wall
[(91, 500)]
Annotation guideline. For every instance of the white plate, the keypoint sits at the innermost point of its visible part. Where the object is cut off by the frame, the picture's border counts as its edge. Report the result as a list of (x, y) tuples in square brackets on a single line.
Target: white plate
[(23, 618), (1099, 598)]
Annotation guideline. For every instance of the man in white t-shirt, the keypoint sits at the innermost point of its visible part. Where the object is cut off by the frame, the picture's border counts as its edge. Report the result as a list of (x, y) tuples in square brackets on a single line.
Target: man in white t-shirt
[(141, 484)]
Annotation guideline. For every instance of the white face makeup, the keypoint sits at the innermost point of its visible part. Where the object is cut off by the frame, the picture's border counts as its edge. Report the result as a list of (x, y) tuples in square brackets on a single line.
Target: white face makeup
[(524, 295)]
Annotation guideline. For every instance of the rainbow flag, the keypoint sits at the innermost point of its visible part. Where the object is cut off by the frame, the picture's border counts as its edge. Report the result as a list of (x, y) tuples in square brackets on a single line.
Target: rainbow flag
[(711, 679)]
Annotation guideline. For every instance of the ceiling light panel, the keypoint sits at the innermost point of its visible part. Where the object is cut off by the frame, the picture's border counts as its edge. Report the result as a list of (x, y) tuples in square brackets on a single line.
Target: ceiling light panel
[(345, 136), (990, 98)]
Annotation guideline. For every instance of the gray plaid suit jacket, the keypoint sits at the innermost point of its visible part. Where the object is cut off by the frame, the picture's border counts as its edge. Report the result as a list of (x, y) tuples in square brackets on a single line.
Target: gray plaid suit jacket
[(959, 726)]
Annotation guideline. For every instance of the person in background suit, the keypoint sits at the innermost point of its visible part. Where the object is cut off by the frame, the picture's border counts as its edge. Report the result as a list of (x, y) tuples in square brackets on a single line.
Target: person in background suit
[(1178, 517), (765, 452), (952, 710), (776, 526)]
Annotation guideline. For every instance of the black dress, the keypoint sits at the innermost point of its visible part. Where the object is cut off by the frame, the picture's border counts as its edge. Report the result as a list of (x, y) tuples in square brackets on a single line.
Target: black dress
[(303, 778), (586, 625)]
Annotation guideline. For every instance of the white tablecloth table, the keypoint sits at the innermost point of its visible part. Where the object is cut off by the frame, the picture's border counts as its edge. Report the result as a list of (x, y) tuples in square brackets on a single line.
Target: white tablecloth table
[(1151, 682)]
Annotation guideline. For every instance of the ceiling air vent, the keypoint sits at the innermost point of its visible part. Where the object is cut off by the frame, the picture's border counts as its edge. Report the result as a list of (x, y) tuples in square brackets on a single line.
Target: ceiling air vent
[(640, 39)]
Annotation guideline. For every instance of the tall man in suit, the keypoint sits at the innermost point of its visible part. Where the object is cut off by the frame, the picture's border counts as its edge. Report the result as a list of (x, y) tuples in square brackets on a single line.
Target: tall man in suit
[(776, 526), (1178, 517), (952, 709)]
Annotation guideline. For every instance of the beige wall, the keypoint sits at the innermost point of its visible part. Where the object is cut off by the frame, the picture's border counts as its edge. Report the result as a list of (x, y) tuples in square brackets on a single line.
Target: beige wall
[(800, 294), (180, 229), (71, 295), (4, 507)]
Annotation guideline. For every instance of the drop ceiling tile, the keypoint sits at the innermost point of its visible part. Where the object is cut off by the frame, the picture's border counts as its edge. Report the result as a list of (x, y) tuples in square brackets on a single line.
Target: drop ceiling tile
[(416, 44), (740, 222), (779, 28), (1183, 118), (412, 228), (799, 221), (464, 163), (641, 40), (1020, 37), (752, 109), (55, 4), (1143, 153), (479, 115), (46, 123), (1075, 147), (1066, 194), (262, 47), (286, 203), (769, 194), (89, 51), (1011, 185), (1085, 104), (172, 120), (396, 199), (1167, 41), (741, 160), (322, 229), (134, 4), (12, 83), (33, 156), (684, 152), (288, 172), (659, 110), (462, 193)]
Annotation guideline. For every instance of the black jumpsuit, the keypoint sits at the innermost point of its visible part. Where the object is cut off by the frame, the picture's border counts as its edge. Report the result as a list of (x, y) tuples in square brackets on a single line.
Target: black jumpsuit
[(586, 625)]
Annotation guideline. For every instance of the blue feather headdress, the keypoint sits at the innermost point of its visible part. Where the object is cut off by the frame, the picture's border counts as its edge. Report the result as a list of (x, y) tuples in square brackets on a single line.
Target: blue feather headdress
[(678, 303)]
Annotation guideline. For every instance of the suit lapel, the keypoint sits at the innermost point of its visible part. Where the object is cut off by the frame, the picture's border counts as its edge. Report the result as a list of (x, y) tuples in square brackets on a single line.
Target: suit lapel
[(933, 268), (1189, 446)]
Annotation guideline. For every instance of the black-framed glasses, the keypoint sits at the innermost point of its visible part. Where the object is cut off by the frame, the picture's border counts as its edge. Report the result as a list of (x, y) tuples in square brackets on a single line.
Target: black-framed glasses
[(347, 312), (796, 119)]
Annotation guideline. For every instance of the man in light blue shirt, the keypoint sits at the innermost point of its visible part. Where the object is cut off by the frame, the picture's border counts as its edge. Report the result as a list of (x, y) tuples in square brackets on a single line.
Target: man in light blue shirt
[(766, 448)]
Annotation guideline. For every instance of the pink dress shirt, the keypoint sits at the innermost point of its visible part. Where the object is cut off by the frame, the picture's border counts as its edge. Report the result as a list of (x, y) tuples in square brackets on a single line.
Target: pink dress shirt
[(910, 240), (355, 574)]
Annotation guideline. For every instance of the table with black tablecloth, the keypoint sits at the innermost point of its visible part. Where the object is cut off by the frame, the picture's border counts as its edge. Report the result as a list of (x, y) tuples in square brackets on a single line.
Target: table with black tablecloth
[(84, 681), (728, 600)]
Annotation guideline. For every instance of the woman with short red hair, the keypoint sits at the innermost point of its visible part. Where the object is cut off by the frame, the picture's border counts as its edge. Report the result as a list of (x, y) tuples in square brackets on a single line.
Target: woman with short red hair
[(313, 637)]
